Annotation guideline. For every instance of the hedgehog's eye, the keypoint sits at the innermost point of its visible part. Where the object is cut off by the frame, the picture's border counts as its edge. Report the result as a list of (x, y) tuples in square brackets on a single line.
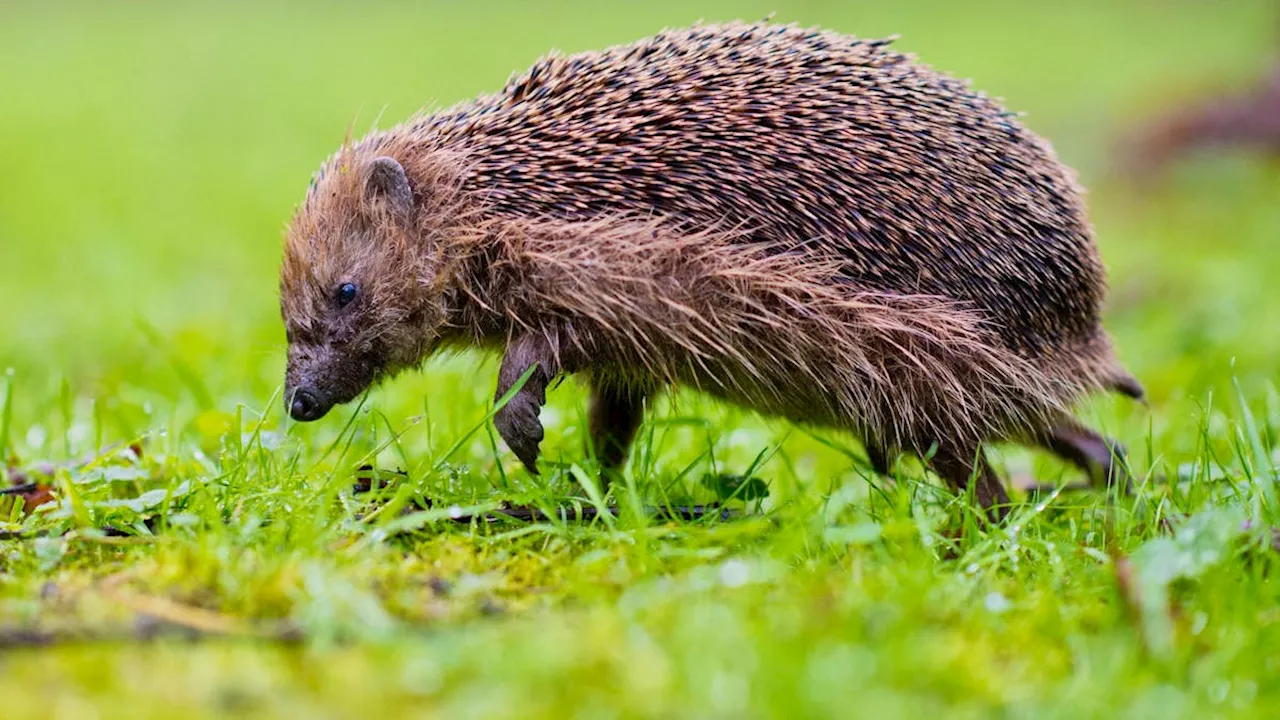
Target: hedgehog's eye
[(346, 293)]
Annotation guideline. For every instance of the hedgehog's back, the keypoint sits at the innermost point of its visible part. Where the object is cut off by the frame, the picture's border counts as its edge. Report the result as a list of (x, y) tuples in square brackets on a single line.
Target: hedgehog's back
[(812, 140)]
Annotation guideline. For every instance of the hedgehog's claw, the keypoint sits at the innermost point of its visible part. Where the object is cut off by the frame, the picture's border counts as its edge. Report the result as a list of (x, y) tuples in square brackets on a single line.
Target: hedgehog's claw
[(517, 422)]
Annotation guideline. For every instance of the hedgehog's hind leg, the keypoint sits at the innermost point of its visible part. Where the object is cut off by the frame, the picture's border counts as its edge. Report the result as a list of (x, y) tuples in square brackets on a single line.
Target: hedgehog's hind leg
[(615, 416), (959, 468), (879, 457), (1101, 457)]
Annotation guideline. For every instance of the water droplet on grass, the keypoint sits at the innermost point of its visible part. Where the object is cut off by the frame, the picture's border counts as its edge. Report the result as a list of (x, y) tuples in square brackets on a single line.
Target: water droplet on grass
[(996, 602), (734, 573)]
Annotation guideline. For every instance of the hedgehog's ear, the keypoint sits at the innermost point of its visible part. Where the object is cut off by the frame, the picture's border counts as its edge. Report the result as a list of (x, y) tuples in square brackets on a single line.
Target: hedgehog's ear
[(388, 183)]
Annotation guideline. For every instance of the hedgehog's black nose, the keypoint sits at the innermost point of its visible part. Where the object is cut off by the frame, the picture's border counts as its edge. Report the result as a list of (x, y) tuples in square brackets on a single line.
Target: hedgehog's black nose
[(306, 406)]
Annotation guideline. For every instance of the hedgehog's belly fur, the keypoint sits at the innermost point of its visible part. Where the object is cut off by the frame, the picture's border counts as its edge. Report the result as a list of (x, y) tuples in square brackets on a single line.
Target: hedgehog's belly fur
[(772, 334)]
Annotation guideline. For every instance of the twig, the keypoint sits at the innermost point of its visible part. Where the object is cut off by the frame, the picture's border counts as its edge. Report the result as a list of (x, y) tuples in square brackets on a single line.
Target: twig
[(587, 513)]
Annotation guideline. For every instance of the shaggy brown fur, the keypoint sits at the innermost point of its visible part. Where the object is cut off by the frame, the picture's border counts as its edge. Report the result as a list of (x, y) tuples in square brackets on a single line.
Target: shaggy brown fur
[(802, 223)]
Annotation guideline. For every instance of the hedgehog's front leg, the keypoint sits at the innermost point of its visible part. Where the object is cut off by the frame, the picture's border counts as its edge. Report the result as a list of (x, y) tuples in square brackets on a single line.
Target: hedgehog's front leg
[(517, 421), (616, 412), (1101, 457)]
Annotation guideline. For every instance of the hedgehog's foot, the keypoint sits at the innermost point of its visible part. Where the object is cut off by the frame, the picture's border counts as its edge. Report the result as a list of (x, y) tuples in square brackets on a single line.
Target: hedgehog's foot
[(614, 418), (1101, 457), (960, 469)]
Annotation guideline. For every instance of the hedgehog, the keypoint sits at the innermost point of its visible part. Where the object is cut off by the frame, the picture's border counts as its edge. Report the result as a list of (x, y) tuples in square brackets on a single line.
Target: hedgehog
[(811, 226)]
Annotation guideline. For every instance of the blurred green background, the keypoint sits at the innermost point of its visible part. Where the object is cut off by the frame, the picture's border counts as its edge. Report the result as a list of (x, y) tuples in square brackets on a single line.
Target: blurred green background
[(150, 156)]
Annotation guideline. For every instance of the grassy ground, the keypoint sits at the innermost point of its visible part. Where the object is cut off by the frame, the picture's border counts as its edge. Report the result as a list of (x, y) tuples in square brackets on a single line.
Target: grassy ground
[(151, 155)]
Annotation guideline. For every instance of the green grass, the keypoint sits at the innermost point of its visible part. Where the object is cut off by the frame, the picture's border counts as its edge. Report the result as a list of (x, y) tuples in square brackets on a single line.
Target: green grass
[(151, 155)]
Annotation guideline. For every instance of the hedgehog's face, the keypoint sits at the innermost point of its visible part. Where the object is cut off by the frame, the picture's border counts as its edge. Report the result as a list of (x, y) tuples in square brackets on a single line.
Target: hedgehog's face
[(351, 291)]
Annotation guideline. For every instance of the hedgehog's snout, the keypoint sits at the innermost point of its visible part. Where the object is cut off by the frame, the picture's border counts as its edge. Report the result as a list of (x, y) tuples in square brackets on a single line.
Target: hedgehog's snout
[(307, 405), (319, 377)]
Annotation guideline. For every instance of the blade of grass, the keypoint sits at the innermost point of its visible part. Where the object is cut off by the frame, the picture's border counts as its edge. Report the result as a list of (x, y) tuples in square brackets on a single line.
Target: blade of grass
[(6, 417), (501, 403), (1262, 476)]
